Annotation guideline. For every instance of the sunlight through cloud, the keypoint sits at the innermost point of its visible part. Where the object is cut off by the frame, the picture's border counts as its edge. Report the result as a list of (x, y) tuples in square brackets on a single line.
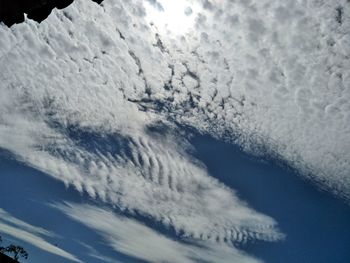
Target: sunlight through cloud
[(172, 17)]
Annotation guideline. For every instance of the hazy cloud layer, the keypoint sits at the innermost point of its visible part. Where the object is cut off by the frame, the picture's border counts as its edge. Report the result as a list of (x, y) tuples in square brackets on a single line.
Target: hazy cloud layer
[(31, 234)]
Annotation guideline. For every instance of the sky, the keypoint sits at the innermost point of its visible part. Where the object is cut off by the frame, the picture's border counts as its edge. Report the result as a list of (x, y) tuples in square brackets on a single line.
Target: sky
[(112, 105)]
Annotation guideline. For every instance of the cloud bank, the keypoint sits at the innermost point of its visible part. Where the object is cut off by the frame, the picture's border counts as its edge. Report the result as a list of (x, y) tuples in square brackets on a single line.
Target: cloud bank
[(270, 74)]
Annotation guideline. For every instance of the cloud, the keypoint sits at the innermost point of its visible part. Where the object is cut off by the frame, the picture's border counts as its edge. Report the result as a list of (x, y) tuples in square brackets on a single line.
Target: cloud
[(157, 178), (31, 234), (8, 219), (132, 238), (271, 77), (92, 252), (76, 114), (156, 4)]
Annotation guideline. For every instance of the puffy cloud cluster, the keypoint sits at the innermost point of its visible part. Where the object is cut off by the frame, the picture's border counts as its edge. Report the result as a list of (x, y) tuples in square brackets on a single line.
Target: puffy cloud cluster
[(275, 74), (288, 71)]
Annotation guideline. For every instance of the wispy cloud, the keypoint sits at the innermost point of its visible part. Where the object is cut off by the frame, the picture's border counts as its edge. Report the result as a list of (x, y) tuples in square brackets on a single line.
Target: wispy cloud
[(31, 234), (8, 219), (132, 238), (92, 252)]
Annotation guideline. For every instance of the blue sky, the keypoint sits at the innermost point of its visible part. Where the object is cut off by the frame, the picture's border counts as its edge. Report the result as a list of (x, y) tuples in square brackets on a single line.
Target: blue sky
[(311, 218), (29, 199)]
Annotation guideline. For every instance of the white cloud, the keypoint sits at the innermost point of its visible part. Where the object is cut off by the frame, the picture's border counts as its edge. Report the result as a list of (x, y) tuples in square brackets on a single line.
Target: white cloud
[(6, 217), (31, 234), (82, 76), (92, 252), (155, 177), (132, 238), (272, 74)]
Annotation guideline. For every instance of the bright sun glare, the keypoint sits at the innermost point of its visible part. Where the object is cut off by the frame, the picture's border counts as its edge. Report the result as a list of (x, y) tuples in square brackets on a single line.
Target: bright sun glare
[(172, 16)]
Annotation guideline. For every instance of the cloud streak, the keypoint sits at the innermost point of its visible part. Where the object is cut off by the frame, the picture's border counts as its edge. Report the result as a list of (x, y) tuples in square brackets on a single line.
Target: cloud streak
[(134, 239), (31, 234)]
